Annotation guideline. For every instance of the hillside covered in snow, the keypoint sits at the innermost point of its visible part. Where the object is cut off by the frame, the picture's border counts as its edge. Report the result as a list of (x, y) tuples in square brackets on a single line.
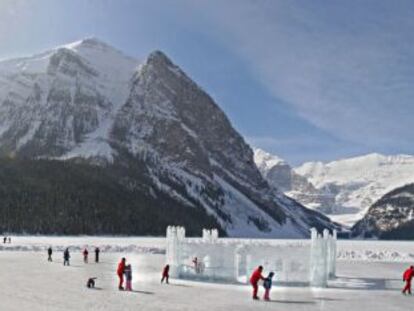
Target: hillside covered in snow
[(154, 135), (391, 217)]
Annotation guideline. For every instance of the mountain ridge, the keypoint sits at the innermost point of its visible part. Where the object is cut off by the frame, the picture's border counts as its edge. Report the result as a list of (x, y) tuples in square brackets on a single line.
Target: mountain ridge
[(344, 189)]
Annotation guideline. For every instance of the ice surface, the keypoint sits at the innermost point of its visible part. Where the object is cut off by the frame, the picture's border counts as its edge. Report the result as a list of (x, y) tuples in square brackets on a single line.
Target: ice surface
[(29, 282)]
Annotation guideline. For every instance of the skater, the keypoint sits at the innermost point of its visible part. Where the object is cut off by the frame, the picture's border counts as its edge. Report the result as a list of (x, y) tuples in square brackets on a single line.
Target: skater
[(66, 257), (407, 277), (85, 255), (9, 240), (267, 284), (97, 251), (90, 283), (128, 277), (254, 279), (5, 240), (49, 253), (165, 274), (120, 272)]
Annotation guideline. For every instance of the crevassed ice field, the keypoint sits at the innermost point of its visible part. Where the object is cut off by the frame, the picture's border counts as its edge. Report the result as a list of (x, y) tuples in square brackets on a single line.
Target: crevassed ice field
[(369, 277)]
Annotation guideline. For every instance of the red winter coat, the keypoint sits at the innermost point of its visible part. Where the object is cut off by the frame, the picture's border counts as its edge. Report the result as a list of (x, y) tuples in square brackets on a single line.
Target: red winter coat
[(121, 268), (408, 274), (256, 276)]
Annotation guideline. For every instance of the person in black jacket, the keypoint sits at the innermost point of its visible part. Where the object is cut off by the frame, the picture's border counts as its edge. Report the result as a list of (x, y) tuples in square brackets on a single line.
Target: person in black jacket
[(267, 284), (97, 251), (49, 253), (66, 257)]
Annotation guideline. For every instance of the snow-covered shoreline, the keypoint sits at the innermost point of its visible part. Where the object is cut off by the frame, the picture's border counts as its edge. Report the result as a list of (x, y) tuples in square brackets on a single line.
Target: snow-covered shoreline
[(348, 250), (138, 245)]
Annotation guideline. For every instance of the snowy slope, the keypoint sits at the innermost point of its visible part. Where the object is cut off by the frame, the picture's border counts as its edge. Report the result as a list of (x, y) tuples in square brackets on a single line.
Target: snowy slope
[(391, 217), (90, 77), (265, 161)]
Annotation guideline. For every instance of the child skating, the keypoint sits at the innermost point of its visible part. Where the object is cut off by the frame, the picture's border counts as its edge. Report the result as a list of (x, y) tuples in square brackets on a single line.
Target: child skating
[(267, 284), (128, 277)]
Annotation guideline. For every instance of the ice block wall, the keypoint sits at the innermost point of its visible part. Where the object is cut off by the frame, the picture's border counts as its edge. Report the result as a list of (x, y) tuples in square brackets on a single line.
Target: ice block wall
[(233, 260), (323, 258), (175, 238)]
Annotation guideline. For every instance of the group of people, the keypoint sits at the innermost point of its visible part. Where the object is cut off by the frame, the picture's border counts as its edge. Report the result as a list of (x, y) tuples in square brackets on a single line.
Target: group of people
[(124, 269), (66, 255), (86, 254), (267, 283), (6, 240), (124, 272)]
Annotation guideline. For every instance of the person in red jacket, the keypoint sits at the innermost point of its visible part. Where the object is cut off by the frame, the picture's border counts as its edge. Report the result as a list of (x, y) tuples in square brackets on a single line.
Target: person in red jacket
[(407, 277), (165, 274), (254, 279), (120, 271)]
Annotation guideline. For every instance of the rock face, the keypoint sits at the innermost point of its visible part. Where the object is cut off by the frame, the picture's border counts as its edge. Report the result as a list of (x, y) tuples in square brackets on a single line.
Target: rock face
[(391, 217), (342, 189), (87, 101)]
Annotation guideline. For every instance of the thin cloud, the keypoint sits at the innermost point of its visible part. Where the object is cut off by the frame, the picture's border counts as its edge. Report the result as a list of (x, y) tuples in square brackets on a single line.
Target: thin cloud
[(345, 66)]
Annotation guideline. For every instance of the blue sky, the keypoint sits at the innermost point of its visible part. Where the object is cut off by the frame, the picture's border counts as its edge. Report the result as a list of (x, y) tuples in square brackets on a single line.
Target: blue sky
[(306, 80)]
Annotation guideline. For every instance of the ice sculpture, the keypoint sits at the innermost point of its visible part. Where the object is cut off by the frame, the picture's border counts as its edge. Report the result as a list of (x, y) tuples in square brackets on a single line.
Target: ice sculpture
[(210, 258)]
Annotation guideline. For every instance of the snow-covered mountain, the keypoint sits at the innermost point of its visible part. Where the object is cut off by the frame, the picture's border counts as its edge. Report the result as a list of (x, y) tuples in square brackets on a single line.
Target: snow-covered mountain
[(87, 100), (281, 175), (342, 189), (357, 183), (63, 102), (391, 217)]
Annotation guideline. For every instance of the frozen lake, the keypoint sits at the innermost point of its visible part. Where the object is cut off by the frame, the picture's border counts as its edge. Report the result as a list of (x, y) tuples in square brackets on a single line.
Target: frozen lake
[(29, 282)]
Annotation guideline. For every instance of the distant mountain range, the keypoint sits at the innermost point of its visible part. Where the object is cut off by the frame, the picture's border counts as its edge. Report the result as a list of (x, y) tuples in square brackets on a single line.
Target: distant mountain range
[(349, 190), (113, 144)]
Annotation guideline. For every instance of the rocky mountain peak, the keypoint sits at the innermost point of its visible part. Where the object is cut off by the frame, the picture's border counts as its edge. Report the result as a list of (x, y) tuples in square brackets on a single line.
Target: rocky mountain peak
[(165, 134)]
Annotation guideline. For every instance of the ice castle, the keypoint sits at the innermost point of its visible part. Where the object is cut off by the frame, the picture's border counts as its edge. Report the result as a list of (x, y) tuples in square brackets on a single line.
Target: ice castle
[(210, 258)]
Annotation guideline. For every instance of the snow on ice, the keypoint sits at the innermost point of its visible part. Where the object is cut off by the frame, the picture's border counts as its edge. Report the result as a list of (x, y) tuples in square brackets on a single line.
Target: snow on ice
[(370, 279)]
